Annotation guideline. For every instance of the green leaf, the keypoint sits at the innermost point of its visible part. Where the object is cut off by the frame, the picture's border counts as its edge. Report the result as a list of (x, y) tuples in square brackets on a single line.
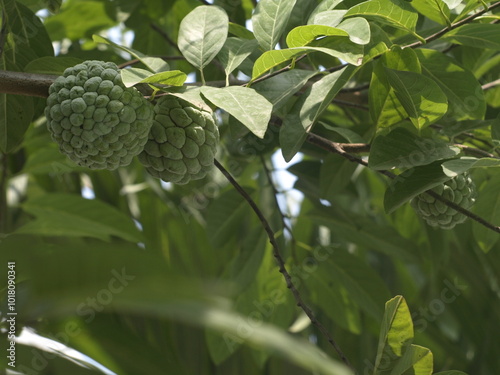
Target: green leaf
[(339, 47), (450, 372), (327, 18), (479, 35), (397, 13), (358, 29), (412, 183), (133, 76), (455, 167), (281, 87), (363, 284), (224, 215), (49, 160), (51, 65), (487, 206), (416, 360), (154, 64), (269, 21), (385, 107), (202, 34), (335, 175), (245, 104), (59, 214), (16, 113), (240, 31), (234, 51), (396, 335), (364, 232), (303, 35), (421, 97), (324, 6), (308, 108), (403, 149), (437, 11), (465, 95)]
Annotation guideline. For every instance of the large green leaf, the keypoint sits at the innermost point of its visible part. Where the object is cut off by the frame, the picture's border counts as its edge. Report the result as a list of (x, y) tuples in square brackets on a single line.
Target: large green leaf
[(51, 65), (437, 11), (421, 97), (412, 183), (464, 93), (324, 6), (245, 104), (202, 34), (416, 360), (397, 13), (269, 21), (308, 108), (458, 166), (479, 35), (403, 149), (59, 214), (16, 113), (488, 207), (303, 35), (396, 336)]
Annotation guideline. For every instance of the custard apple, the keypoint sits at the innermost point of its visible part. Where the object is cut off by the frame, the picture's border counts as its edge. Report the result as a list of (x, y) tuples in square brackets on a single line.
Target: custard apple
[(460, 190), (182, 142), (97, 121)]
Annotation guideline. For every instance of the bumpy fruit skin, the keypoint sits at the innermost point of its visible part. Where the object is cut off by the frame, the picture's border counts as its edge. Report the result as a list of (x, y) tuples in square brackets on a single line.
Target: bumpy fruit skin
[(460, 190), (97, 121), (182, 142)]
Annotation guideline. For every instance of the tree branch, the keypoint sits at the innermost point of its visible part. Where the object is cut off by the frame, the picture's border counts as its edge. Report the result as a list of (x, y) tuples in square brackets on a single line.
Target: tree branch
[(490, 85), (282, 268), (25, 83), (335, 148), (466, 20)]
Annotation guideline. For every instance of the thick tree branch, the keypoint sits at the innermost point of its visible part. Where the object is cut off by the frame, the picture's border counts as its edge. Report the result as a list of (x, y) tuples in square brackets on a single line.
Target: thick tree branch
[(25, 83), (282, 268)]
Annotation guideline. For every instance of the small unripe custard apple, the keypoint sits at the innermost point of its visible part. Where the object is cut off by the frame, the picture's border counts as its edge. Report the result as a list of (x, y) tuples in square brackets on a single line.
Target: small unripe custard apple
[(460, 190), (97, 121)]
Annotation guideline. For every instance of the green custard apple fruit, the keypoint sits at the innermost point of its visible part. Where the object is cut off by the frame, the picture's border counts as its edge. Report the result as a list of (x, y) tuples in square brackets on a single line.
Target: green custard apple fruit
[(182, 142), (459, 190), (97, 121)]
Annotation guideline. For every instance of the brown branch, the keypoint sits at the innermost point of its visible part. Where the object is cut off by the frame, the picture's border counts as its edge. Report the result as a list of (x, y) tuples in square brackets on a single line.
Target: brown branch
[(25, 83), (335, 148), (282, 268), (466, 20)]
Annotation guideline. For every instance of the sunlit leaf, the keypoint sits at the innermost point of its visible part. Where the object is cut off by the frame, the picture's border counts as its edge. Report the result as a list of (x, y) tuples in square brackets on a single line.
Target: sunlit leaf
[(269, 21)]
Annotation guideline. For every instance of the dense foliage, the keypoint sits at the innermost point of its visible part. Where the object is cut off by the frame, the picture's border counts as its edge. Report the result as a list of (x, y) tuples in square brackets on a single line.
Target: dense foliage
[(374, 103)]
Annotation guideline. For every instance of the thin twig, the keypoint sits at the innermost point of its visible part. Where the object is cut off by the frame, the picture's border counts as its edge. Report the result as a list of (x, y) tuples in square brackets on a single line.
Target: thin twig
[(164, 35), (443, 31), (490, 85), (282, 268), (275, 195), (335, 148), (366, 86), (475, 151)]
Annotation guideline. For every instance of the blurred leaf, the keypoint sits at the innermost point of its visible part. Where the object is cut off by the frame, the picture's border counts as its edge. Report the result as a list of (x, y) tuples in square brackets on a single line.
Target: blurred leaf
[(335, 175), (245, 104), (269, 21), (51, 65), (450, 372), (403, 149), (202, 34), (487, 206), (465, 96), (16, 113), (240, 31), (411, 183), (60, 214), (308, 108), (421, 97), (479, 35)]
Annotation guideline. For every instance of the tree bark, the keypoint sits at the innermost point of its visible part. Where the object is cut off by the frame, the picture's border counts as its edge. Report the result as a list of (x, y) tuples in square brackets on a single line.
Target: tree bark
[(28, 84)]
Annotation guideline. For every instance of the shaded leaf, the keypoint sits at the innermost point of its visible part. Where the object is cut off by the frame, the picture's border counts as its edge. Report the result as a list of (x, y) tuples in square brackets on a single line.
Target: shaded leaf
[(16, 113), (403, 149), (234, 51), (59, 214), (487, 206), (455, 167), (51, 65), (479, 35), (269, 21)]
